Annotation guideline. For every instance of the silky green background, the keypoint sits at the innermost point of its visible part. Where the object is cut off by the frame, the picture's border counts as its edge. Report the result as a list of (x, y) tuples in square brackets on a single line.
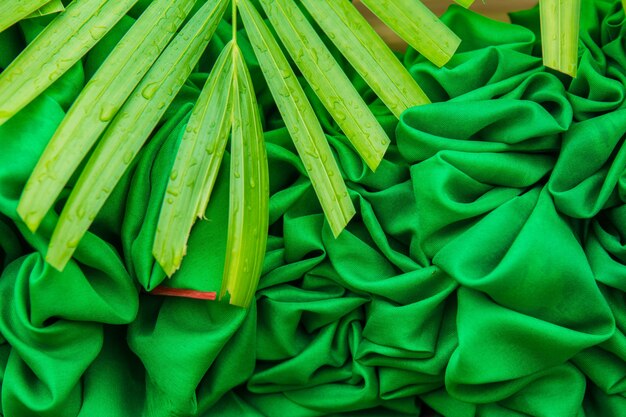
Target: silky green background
[(483, 275)]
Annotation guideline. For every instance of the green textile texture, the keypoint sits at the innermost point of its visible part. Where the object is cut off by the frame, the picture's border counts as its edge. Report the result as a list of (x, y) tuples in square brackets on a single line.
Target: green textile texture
[(484, 274)]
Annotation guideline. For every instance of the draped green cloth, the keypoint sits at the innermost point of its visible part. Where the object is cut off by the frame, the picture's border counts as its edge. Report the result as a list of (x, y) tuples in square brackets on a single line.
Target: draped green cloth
[(484, 274)]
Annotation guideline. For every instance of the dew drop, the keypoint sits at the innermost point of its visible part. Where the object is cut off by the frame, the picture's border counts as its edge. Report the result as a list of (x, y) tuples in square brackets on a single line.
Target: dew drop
[(107, 112), (149, 90), (97, 32)]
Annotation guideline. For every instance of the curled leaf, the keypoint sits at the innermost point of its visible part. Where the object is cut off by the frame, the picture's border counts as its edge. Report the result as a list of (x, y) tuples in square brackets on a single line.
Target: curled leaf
[(249, 193), (301, 121), (197, 164), (130, 129)]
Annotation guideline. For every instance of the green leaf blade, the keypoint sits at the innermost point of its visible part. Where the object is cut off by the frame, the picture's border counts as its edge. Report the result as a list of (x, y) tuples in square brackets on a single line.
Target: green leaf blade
[(465, 3), (249, 194), (199, 157), (61, 44), (418, 26), (98, 103), (12, 12), (130, 129), (560, 25), (301, 121), (54, 6), (367, 53), (328, 80)]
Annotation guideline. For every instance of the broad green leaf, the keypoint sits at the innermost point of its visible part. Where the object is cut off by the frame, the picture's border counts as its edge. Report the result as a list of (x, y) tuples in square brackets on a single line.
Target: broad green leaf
[(12, 11), (328, 80), (98, 103), (368, 53), (129, 130), (55, 6), (197, 164), (59, 46), (465, 3), (249, 193), (301, 121), (418, 26), (560, 22)]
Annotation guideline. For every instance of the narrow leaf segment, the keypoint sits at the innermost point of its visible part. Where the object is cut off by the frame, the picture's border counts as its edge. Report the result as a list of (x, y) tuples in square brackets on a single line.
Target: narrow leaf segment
[(367, 53), (98, 103), (301, 121), (465, 3), (328, 80), (418, 26), (55, 6), (249, 193), (560, 23), (12, 11), (129, 130), (61, 44), (197, 164)]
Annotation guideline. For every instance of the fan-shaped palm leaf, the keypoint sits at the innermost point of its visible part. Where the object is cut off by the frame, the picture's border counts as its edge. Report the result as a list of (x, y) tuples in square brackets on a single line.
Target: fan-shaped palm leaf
[(125, 109)]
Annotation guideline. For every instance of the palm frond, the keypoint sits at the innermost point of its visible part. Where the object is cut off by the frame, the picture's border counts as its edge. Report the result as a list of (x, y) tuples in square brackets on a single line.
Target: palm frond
[(130, 129), (560, 25), (61, 44), (123, 102), (98, 103)]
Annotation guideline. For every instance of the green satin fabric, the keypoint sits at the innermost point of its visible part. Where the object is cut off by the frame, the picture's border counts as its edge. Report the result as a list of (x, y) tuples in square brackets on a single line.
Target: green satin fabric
[(484, 274)]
